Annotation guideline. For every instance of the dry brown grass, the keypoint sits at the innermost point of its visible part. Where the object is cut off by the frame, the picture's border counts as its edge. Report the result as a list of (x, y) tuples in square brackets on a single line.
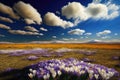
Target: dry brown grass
[(29, 46)]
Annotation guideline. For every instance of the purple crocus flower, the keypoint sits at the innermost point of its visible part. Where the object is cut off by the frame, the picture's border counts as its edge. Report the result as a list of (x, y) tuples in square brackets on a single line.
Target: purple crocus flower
[(71, 67)]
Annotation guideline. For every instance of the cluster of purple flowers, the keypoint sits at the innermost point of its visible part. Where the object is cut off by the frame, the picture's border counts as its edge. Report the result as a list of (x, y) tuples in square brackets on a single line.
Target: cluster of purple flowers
[(81, 51), (45, 52), (69, 69), (39, 52)]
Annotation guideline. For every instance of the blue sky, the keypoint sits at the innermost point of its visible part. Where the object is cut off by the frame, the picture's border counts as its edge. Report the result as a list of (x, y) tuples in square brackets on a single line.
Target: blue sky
[(63, 20)]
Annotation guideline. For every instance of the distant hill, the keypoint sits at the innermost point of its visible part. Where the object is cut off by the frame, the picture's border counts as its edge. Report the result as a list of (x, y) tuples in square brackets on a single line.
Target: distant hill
[(100, 41), (64, 42)]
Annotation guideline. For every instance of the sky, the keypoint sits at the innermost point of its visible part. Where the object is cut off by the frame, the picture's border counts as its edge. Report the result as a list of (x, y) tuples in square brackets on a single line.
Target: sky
[(59, 20)]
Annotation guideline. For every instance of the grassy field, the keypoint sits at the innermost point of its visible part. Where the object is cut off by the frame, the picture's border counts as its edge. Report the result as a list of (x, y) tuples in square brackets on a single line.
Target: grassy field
[(78, 46), (102, 56)]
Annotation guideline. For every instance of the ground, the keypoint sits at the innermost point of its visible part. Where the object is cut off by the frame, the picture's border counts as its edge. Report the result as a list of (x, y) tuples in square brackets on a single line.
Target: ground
[(103, 56)]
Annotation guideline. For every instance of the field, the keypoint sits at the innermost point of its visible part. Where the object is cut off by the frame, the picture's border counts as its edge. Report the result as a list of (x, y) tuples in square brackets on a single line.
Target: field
[(74, 45), (103, 55)]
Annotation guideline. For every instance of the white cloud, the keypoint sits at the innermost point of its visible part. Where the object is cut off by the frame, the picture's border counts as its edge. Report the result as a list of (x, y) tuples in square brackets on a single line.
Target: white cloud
[(97, 11), (69, 39), (43, 29), (113, 11), (77, 32), (96, 40), (96, 1), (102, 11), (105, 37), (52, 20), (57, 12), (74, 10), (28, 12), (113, 7), (32, 29), (21, 32), (103, 33), (2, 26), (54, 37), (29, 21), (73, 39), (88, 34), (41, 34), (8, 10), (94, 10), (6, 19)]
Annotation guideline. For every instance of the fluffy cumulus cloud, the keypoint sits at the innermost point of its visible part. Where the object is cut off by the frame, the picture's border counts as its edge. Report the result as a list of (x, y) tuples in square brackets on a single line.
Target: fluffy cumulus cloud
[(28, 12), (74, 10), (102, 11), (113, 11), (97, 11), (88, 34), (103, 33), (4, 19), (32, 29), (22, 32), (8, 10), (29, 21), (76, 32), (52, 20), (43, 29), (2, 26), (78, 12)]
